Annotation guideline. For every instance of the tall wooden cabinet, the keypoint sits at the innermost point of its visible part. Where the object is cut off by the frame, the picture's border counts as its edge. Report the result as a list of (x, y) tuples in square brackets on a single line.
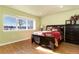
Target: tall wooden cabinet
[(72, 33)]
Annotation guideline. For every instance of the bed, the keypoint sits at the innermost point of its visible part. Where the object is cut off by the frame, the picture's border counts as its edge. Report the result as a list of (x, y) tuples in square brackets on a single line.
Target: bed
[(48, 41), (44, 41)]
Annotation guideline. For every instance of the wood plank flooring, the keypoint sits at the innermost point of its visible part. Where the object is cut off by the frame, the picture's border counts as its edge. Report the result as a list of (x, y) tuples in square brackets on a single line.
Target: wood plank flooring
[(68, 48), (26, 47)]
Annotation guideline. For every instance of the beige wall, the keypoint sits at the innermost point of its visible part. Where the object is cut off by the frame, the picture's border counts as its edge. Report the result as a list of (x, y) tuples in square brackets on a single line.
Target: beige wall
[(58, 18), (11, 36)]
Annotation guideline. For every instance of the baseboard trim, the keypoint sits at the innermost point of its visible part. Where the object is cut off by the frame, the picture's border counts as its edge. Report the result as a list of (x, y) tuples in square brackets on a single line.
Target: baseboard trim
[(13, 42)]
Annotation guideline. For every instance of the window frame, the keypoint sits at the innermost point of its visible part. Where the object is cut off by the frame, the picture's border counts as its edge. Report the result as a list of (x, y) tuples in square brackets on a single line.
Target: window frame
[(20, 17)]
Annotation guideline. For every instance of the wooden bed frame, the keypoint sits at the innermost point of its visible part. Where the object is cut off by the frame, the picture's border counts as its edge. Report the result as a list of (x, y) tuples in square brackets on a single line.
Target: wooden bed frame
[(47, 41), (44, 41)]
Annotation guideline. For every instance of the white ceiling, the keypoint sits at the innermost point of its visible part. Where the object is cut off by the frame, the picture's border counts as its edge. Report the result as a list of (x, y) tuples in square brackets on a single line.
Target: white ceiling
[(43, 10)]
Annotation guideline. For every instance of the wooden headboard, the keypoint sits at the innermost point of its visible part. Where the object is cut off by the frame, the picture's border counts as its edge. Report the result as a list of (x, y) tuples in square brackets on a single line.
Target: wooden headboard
[(61, 27)]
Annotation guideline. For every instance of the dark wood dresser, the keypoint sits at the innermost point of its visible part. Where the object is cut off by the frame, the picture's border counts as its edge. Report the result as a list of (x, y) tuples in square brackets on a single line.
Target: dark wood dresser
[(72, 33)]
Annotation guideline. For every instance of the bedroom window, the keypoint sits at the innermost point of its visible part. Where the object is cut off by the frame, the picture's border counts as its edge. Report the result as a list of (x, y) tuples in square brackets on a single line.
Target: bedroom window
[(9, 23), (30, 24), (22, 24), (13, 23)]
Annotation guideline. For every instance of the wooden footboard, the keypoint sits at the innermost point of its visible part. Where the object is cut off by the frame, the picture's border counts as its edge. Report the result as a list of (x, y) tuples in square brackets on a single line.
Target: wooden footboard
[(43, 41)]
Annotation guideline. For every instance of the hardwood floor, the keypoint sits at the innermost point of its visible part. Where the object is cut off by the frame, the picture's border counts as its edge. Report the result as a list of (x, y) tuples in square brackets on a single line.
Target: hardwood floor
[(68, 48), (26, 47)]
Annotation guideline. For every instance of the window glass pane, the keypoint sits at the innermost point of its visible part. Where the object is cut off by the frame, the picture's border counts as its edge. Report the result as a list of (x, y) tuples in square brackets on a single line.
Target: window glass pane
[(26, 23), (9, 23), (21, 23), (30, 24)]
